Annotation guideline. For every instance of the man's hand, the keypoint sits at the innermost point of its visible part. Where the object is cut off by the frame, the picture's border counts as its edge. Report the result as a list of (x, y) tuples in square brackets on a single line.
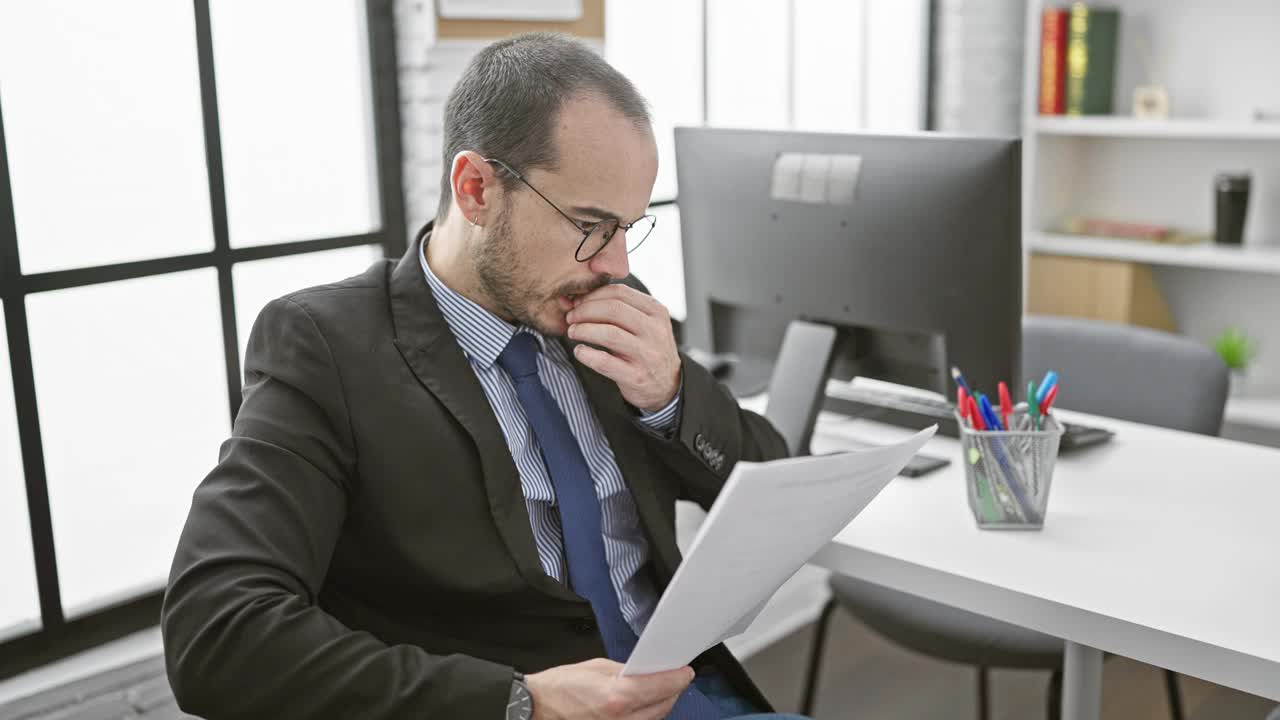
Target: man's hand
[(635, 329), (594, 690)]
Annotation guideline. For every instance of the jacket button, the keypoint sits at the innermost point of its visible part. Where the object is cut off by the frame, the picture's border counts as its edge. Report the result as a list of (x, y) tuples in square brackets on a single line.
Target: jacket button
[(584, 627)]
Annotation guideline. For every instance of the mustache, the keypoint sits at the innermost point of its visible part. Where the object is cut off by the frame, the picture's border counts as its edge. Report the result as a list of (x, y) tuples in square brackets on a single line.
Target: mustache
[(584, 288)]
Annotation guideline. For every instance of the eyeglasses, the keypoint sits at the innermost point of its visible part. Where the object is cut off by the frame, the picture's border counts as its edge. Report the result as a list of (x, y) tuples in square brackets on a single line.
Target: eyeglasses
[(597, 234)]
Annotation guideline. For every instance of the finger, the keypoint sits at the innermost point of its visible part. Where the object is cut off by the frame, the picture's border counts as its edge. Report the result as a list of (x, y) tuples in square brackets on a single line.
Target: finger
[(613, 311), (645, 303), (658, 710), (660, 687), (609, 337), (607, 364)]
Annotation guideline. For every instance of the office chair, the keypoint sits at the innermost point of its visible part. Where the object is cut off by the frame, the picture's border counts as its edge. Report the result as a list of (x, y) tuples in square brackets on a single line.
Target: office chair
[(1112, 370)]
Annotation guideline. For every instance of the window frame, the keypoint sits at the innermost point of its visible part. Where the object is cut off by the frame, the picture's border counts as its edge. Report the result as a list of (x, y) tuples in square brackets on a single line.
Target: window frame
[(57, 635)]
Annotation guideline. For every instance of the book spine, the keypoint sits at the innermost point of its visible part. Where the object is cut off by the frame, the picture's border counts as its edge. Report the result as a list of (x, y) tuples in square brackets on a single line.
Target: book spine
[(1053, 61), (1091, 60)]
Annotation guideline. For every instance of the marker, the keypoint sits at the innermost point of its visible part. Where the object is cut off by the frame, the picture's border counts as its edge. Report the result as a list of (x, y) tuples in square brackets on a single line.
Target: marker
[(962, 403), (975, 417), (989, 414), (1050, 379), (1048, 400), (1006, 403), (1032, 408), (960, 381)]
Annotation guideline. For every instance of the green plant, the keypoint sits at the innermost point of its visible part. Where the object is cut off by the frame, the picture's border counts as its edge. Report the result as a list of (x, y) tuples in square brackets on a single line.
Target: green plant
[(1235, 348)]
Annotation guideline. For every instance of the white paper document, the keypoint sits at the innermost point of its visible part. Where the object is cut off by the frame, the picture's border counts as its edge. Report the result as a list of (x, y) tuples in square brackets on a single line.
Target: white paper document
[(767, 522)]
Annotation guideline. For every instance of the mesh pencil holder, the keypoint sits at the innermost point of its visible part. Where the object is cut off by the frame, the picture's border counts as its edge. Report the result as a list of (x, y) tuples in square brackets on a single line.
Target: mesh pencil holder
[(1008, 472)]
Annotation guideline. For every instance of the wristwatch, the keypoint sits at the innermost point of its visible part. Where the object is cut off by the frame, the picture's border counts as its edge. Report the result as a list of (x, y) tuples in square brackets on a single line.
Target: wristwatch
[(520, 702)]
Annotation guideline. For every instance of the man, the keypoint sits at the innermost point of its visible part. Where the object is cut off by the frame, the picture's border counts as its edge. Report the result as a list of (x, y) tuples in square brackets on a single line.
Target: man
[(430, 489)]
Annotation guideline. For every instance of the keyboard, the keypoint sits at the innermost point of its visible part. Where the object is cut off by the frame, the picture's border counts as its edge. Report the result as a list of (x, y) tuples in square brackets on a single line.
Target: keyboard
[(917, 412)]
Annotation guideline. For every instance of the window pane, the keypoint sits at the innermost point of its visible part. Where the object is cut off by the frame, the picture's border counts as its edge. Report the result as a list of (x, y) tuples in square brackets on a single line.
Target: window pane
[(658, 46), (829, 64), (295, 113), (747, 63), (897, 63), (261, 281), (131, 385), (659, 262), (19, 601), (103, 127)]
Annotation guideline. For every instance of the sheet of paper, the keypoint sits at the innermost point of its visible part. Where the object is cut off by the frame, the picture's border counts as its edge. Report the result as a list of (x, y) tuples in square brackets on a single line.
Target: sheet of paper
[(561, 10), (769, 519)]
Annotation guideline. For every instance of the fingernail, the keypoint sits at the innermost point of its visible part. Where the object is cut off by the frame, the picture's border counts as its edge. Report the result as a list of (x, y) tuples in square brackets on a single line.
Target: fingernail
[(573, 330)]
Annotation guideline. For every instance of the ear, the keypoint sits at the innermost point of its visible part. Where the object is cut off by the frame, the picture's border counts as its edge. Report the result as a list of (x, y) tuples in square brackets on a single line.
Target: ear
[(475, 187)]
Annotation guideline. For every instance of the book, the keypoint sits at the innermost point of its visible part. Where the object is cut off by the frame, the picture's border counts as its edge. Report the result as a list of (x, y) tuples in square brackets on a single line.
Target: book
[(1092, 36), (1149, 232), (1053, 61)]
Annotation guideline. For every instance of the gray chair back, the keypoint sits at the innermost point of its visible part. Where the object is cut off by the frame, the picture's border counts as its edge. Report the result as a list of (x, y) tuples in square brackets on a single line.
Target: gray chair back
[(1128, 372)]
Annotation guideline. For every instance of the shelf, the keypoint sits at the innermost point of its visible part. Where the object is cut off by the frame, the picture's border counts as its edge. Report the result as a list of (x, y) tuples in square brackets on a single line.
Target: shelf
[(1252, 259), (1175, 129)]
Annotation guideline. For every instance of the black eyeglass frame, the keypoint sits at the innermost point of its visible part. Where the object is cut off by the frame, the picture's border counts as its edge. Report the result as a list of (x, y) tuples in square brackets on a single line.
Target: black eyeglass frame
[(584, 227)]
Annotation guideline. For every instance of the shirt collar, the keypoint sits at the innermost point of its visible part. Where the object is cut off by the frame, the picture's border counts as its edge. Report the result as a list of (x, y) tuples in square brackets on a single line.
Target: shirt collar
[(481, 334)]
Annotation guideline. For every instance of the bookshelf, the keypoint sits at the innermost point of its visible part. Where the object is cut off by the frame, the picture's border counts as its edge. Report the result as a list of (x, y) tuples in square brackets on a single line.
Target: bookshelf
[(1261, 259), (1213, 56), (1178, 128)]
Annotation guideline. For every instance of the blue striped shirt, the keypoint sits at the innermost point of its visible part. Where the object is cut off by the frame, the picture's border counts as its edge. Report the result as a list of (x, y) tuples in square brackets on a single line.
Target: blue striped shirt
[(482, 336)]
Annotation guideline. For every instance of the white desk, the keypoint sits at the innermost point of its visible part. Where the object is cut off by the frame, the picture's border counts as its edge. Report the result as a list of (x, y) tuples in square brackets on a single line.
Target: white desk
[(1160, 546)]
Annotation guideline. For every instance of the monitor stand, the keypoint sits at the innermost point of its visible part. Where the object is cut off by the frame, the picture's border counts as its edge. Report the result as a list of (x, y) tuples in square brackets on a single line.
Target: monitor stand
[(799, 382), (798, 386)]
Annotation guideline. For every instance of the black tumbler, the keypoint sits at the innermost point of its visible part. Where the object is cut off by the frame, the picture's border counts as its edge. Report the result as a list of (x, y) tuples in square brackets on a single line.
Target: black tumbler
[(1231, 202)]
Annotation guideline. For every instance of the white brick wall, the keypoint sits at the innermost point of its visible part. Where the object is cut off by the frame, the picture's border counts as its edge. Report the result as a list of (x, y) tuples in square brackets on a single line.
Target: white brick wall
[(428, 71), (423, 89), (978, 60)]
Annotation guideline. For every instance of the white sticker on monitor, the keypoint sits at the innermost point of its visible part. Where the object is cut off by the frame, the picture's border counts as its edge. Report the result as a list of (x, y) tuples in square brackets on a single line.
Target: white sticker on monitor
[(816, 179)]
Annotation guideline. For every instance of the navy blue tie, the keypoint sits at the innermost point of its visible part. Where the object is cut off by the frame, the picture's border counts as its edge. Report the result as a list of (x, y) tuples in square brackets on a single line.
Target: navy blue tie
[(580, 515)]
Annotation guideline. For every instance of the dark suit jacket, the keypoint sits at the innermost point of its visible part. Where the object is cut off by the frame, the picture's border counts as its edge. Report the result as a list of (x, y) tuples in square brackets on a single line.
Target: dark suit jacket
[(362, 548)]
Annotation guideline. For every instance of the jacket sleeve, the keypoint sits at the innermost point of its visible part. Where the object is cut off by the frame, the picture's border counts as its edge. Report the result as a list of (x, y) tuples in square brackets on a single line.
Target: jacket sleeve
[(712, 435), (243, 634)]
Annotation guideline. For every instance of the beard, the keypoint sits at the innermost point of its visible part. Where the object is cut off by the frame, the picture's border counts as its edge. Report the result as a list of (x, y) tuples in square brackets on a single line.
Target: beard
[(506, 277)]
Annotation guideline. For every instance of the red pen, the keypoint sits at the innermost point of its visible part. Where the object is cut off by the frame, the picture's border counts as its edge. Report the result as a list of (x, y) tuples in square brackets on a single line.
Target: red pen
[(975, 417), (1048, 400), (962, 403), (1006, 403)]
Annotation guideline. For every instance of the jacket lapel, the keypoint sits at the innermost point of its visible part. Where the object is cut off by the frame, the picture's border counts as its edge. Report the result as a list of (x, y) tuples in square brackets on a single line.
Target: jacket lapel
[(629, 450), (432, 352)]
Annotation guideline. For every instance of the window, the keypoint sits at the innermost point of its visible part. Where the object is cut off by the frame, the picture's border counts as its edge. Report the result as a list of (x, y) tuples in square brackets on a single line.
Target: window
[(131, 386), (103, 131), (297, 126), (171, 167), (19, 603)]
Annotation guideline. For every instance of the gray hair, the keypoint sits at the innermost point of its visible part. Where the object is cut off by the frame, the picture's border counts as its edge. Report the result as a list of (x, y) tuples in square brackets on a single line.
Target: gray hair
[(506, 103)]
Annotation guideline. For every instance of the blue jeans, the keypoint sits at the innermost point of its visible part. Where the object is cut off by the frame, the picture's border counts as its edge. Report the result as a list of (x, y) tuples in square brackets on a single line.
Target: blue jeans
[(717, 689)]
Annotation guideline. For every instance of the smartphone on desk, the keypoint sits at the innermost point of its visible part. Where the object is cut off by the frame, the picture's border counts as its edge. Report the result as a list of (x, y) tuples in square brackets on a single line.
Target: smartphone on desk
[(921, 464)]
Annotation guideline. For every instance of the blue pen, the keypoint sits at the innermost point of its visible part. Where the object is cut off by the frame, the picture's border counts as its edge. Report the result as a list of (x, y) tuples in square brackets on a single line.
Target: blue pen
[(997, 447), (1050, 379), (989, 413), (960, 381)]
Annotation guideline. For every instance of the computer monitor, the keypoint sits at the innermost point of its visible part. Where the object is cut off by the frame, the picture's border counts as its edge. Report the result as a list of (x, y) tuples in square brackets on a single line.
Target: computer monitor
[(908, 244)]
